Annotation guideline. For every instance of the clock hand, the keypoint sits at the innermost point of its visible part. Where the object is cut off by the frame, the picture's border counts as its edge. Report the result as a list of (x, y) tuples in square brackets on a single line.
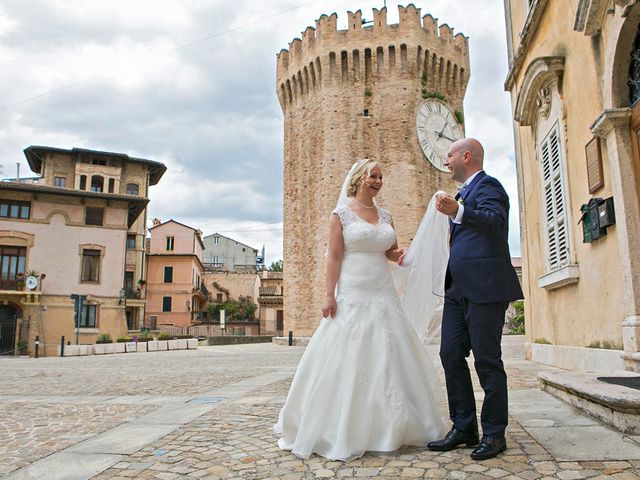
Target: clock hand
[(450, 139)]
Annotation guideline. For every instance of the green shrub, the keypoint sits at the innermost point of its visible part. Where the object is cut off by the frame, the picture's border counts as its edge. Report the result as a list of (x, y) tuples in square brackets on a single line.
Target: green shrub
[(123, 339), (239, 310), (368, 93), (103, 338), (516, 324), (459, 117), (22, 345), (165, 336)]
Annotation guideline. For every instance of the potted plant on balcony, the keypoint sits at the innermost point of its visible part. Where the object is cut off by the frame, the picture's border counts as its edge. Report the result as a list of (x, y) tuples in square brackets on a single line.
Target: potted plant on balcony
[(20, 280)]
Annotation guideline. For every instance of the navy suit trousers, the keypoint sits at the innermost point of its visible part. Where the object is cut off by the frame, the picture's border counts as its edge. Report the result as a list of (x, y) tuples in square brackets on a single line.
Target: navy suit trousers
[(468, 326)]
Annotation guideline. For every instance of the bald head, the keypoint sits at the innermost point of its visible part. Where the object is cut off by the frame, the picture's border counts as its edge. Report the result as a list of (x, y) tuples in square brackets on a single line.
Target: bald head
[(474, 147), (465, 157)]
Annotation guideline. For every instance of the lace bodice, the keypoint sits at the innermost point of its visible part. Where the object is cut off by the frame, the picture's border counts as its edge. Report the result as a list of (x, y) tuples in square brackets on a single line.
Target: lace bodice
[(360, 236)]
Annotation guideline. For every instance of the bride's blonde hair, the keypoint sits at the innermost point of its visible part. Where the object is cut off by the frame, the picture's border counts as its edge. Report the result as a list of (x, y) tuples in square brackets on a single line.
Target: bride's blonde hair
[(362, 171)]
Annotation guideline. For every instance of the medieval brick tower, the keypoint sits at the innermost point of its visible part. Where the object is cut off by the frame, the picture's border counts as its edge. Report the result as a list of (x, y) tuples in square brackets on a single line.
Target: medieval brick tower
[(391, 93)]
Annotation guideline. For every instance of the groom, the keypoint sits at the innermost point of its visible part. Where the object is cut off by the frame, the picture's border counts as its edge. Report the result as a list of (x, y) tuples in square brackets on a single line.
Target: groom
[(479, 284)]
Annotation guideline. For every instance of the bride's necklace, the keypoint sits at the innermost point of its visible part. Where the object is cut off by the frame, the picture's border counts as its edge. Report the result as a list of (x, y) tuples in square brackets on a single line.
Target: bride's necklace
[(362, 205)]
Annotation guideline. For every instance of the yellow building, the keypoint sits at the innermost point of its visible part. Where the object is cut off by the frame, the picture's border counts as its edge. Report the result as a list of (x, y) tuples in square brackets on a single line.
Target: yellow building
[(271, 299), (77, 229), (574, 80)]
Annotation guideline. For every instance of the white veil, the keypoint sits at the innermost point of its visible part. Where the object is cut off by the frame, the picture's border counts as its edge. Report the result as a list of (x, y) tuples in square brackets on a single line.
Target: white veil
[(343, 198), (420, 280)]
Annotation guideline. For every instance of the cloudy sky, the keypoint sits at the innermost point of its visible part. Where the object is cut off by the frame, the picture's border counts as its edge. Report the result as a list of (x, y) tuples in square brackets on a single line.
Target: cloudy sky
[(191, 83)]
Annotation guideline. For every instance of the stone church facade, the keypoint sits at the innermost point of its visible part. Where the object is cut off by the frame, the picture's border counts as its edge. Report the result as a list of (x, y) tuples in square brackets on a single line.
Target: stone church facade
[(356, 93), (574, 81)]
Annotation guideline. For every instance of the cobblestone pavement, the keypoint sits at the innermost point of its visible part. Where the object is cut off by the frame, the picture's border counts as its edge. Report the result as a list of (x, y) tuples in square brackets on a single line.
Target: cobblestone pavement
[(30, 431), (232, 437)]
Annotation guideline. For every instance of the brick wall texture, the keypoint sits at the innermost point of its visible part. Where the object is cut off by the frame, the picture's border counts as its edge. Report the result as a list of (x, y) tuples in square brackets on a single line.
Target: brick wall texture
[(325, 82)]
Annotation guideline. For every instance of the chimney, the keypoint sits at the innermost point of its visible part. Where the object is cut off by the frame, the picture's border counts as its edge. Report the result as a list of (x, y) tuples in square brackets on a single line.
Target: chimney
[(155, 222), (18, 172)]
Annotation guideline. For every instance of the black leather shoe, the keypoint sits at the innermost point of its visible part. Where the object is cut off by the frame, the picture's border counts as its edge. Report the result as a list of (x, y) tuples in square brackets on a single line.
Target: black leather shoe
[(452, 440), (489, 447)]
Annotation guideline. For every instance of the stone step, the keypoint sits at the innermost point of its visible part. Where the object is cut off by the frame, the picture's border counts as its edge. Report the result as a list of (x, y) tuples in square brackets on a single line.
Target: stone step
[(615, 405)]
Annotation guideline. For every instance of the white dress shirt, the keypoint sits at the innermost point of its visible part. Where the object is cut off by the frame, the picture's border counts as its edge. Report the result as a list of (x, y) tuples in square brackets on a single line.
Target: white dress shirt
[(457, 219)]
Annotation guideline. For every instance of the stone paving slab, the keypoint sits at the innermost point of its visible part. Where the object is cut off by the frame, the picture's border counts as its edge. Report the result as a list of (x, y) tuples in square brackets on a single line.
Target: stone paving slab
[(123, 439), (584, 443), (66, 466)]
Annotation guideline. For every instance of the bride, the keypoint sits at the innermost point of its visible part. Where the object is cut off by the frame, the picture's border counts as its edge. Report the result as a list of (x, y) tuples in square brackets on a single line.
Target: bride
[(365, 381)]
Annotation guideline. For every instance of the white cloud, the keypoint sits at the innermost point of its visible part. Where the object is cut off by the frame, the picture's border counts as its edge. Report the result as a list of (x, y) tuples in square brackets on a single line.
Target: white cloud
[(192, 84)]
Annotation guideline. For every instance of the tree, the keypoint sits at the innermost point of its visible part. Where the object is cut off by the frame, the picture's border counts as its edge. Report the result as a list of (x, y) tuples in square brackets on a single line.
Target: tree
[(276, 266), (242, 309)]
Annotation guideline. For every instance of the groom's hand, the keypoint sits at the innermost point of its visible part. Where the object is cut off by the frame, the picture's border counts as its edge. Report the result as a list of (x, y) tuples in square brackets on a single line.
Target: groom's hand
[(447, 205)]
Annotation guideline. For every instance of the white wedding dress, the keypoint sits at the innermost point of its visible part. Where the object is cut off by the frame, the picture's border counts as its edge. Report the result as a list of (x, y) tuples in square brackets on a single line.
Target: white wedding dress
[(365, 381)]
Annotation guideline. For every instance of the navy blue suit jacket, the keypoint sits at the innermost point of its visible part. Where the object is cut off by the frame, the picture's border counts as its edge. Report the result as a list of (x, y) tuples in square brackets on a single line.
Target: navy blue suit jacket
[(480, 262)]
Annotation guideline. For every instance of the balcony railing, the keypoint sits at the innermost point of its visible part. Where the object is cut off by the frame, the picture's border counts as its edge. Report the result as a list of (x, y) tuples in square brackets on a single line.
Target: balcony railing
[(134, 294), (202, 291), (9, 285)]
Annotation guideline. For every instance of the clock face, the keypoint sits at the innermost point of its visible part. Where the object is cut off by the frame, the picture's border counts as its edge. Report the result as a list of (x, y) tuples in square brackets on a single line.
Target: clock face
[(437, 129), (31, 282)]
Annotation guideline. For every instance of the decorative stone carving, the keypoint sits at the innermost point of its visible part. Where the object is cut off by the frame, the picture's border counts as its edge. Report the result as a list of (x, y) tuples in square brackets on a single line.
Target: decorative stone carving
[(543, 101), (540, 73)]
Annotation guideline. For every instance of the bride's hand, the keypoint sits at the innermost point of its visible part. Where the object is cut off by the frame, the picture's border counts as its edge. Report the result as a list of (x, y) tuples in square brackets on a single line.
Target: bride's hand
[(401, 259), (395, 254), (329, 306)]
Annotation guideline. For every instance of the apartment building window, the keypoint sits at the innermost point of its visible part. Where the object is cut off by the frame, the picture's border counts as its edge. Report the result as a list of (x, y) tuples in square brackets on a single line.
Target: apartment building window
[(90, 265), (83, 182), (112, 185), (131, 241), (219, 298), (12, 209), (216, 260), (97, 183), (94, 216), (555, 207), (216, 240), (59, 181), (12, 262), (128, 281), (170, 242), (132, 189), (88, 317), (168, 274), (166, 304)]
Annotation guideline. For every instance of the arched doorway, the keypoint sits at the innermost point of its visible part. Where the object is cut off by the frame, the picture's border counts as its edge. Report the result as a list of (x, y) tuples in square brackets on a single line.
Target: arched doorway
[(633, 83), (8, 324)]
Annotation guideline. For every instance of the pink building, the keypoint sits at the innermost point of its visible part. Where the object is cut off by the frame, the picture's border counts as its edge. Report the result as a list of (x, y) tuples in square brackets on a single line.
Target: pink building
[(77, 229), (176, 294)]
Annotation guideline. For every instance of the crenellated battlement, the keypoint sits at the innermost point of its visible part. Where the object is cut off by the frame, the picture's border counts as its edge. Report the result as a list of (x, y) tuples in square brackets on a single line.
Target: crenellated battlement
[(371, 51)]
